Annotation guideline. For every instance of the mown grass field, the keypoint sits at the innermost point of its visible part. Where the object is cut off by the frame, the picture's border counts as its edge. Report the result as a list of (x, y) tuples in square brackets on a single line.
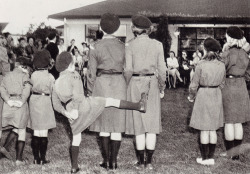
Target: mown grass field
[(176, 151)]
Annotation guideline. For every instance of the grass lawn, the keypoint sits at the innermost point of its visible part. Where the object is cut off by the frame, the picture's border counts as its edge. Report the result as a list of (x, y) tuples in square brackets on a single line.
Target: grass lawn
[(176, 150)]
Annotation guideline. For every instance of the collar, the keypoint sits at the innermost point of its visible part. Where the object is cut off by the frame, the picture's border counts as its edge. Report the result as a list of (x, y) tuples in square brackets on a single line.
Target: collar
[(52, 41), (142, 36), (108, 36)]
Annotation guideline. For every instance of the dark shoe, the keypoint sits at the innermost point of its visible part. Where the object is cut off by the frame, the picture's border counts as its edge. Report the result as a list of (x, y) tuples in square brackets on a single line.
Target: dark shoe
[(236, 157), (139, 166), (38, 161), (112, 166), (104, 165), (143, 103), (5, 153), (44, 162), (75, 170)]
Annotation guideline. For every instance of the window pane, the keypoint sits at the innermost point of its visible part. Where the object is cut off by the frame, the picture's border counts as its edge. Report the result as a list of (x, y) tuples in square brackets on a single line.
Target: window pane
[(203, 33), (219, 33), (188, 33)]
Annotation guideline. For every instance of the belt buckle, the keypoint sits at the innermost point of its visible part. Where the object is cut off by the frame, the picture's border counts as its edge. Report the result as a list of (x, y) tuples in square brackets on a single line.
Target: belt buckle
[(230, 76), (43, 94)]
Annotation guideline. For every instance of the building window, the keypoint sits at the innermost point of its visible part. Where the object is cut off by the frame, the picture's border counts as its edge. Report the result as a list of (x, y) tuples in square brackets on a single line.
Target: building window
[(90, 32)]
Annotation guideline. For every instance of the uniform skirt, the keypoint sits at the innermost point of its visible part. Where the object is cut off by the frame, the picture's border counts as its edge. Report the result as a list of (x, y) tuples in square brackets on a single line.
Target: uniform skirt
[(15, 117), (236, 101), (138, 123), (42, 115), (111, 119), (89, 110), (208, 110)]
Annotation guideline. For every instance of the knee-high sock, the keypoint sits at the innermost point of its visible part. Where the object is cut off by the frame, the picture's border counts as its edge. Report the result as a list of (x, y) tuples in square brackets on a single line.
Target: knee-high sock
[(211, 150), (74, 156), (105, 148), (115, 146), (204, 151), (141, 156), (229, 144), (149, 154), (20, 148), (43, 147), (12, 135), (35, 144), (237, 142)]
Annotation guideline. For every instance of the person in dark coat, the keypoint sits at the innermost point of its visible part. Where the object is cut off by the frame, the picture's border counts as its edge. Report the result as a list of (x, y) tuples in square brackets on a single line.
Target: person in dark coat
[(205, 88), (41, 111), (235, 94), (105, 79), (72, 47), (53, 50), (69, 100)]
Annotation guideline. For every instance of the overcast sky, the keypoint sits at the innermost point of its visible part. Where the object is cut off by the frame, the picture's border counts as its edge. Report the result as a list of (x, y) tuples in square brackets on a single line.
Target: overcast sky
[(21, 13)]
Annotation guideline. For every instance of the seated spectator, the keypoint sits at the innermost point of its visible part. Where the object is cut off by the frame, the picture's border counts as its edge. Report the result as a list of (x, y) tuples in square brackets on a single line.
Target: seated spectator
[(196, 58), (185, 68), (72, 47), (172, 64), (39, 44), (30, 48)]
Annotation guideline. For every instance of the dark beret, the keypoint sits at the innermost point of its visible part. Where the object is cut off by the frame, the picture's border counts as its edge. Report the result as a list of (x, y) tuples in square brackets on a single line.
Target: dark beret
[(52, 35), (42, 59), (63, 60), (109, 23), (141, 22), (211, 44), (235, 32)]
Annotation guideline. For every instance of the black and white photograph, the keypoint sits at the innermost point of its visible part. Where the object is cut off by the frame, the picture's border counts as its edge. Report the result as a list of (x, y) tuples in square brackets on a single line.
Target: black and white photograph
[(124, 86)]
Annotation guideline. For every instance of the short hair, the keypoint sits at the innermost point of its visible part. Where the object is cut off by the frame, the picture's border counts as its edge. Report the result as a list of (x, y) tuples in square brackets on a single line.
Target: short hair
[(99, 34), (52, 35), (30, 37), (6, 34), (20, 39), (172, 52)]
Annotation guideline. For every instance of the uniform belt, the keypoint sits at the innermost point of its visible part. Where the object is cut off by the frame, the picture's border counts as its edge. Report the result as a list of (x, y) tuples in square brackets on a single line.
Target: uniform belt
[(37, 93), (233, 76), (1, 73), (15, 95), (99, 72), (201, 86), (66, 103), (139, 75)]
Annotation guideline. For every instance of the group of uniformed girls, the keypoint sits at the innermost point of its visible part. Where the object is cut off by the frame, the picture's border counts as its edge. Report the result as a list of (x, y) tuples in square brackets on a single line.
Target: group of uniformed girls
[(222, 98)]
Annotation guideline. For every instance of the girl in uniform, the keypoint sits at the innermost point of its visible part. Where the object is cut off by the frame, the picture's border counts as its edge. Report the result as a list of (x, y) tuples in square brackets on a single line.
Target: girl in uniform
[(41, 111), (205, 88), (235, 94), (68, 99), (145, 72), (15, 90)]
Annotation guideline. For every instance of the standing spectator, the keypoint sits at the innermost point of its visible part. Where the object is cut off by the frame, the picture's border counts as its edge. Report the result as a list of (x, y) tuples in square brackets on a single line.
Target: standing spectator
[(185, 68), (72, 47), (235, 94), (61, 46), (173, 66), (53, 50), (21, 53), (207, 115), (106, 79), (78, 61), (31, 48), (145, 72), (39, 44), (196, 58), (10, 50)]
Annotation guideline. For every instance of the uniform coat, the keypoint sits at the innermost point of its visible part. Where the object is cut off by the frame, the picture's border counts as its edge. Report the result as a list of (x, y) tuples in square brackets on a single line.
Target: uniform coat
[(69, 87), (235, 95), (208, 109), (53, 50), (109, 55), (15, 82), (41, 112), (4, 68), (143, 56)]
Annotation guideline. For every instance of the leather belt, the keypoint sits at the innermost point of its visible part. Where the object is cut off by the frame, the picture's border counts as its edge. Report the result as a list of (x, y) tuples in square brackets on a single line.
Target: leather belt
[(201, 86), (99, 72), (233, 76), (140, 75), (37, 93)]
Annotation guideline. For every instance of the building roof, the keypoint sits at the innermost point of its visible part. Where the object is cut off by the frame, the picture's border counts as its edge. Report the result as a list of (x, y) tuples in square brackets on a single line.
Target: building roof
[(175, 9), (2, 26)]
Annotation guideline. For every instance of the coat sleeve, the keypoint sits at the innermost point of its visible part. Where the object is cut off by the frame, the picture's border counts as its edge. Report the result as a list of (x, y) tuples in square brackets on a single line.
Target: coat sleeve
[(195, 82), (223, 81), (26, 88), (92, 68), (161, 67), (57, 105), (128, 68), (4, 61), (4, 93)]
